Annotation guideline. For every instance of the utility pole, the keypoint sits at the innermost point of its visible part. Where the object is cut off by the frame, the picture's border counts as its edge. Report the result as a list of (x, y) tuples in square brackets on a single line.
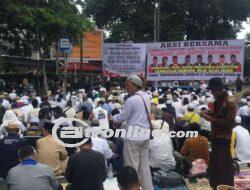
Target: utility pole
[(81, 59), (157, 22)]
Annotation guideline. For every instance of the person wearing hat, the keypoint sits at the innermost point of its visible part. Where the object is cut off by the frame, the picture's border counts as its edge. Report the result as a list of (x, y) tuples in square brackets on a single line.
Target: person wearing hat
[(222, 119), (135, 112), (9, 147), (191, 116), (101, 114), (161, 147), (241, 142), (158, 122), (100, 144), (51, 153), (242, 111)]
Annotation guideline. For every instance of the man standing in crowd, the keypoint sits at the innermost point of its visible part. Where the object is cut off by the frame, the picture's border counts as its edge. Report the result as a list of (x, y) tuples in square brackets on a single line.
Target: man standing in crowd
[(86, 170), (239, 84), (30, 174), (222, 121), (135, 112)]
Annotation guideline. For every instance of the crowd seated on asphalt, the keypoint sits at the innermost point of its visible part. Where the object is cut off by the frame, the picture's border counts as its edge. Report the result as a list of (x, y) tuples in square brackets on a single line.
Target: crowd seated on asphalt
[(31, 158)]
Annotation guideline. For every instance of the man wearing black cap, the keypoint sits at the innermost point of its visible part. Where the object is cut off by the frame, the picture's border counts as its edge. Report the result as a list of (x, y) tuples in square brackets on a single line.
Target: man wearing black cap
[(222, 121)]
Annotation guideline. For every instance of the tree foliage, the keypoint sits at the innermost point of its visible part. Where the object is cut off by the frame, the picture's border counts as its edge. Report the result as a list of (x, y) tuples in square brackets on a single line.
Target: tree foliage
[(133, 20), (21, 20)]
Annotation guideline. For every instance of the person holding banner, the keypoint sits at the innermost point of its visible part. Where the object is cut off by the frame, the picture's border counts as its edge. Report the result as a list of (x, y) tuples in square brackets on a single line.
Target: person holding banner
[(153, 65), (235, 63)]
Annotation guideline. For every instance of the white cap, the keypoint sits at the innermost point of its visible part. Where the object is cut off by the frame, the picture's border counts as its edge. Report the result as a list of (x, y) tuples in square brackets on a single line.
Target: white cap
[(82, 90), (160, 90), (110, 97), (13, 96), (135, 80), (179, 90), (117, 106), (202, 100), (191, 106), (243, 101), (179, 115), (238, 119), (25, 101), (248, 98), (102, 89), (169, 102)]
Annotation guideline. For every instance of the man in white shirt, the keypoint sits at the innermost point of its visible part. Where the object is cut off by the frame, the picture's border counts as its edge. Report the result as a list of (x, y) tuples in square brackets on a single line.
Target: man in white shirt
[(102, 115), (242, 148), (100, 144), (134, 112), (26, 109), (161, 150), (243, 108)]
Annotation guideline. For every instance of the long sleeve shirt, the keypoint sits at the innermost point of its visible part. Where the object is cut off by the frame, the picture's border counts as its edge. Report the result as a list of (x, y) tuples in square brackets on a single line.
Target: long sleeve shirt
[(134, 113)]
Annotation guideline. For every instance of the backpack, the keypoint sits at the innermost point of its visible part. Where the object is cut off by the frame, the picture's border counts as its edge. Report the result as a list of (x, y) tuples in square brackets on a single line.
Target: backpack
[(165, 179)]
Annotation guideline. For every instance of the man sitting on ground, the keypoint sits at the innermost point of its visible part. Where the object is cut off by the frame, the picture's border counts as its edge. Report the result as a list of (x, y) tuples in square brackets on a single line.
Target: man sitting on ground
[(30, 174), (51, 153), (197, 147), (9, 146), (86, 170)]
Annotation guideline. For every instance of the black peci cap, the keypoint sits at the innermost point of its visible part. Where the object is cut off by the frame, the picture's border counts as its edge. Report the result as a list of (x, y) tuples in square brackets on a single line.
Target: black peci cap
[(216, 83)]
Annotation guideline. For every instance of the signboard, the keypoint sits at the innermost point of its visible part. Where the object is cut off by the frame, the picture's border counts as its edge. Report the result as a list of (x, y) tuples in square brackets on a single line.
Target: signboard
[(64, 44), (92, 46), (195, 60), (122, 60)]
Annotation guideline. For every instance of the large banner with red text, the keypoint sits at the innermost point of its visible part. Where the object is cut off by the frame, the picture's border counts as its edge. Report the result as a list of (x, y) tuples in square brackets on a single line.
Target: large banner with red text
[(195, 60)]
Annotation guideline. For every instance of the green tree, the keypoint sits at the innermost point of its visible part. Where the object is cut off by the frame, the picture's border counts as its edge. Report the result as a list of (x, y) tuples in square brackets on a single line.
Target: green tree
[(133, 20), (21, 20)]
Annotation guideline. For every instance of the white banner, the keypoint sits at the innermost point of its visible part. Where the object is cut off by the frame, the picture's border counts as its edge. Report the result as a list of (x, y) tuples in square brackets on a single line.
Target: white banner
[(122, 60), (195, 60)]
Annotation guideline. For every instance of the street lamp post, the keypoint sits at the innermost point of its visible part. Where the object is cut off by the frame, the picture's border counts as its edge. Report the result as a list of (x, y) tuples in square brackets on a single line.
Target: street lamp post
[(157, 22)]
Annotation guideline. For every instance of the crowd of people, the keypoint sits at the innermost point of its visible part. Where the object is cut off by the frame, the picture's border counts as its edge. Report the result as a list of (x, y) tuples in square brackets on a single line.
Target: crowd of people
[(31, 158)]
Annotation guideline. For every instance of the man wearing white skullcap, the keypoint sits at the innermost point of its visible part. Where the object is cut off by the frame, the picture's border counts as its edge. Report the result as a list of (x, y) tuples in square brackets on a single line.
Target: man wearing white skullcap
[(242, 141), (135, 112)]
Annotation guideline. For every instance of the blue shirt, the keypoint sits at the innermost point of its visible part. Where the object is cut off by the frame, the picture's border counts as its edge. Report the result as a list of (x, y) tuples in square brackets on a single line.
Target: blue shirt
[(9, 147)]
